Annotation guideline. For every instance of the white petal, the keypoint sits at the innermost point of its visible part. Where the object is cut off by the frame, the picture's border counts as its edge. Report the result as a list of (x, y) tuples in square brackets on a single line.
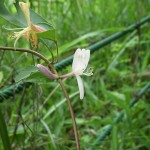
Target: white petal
[(25, 9), (84, 59), (87, 57), (80, 61), (19, 34), (76, 61), (81, 86)]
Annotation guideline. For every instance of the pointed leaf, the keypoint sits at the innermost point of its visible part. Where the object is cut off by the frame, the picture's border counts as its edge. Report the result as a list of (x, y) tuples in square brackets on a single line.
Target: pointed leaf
[(5, 14), (49, 34), (26, 73), (19, 19), (38, 77), (1, 76)]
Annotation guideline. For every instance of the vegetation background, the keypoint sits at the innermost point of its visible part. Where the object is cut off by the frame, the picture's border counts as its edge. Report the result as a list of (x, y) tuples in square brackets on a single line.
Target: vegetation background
[(40, 112)]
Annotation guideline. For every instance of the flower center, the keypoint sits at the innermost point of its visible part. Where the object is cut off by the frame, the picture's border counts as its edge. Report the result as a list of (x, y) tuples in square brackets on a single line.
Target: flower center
[(88, 72)]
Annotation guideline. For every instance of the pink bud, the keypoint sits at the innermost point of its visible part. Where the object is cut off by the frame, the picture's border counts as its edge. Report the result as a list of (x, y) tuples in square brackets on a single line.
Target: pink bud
[(46, 72)]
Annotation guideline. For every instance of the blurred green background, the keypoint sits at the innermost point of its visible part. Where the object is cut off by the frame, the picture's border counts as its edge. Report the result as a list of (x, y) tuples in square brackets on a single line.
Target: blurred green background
[(40, 112)]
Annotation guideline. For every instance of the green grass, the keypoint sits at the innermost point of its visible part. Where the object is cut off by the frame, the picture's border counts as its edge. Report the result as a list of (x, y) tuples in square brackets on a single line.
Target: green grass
[(121, 69)]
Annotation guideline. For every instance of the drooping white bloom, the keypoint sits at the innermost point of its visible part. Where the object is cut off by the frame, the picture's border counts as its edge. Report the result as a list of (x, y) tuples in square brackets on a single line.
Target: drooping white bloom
[(79, 65)]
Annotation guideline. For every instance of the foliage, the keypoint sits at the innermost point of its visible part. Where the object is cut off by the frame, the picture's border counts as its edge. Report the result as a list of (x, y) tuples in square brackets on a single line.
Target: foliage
[(40, 113)]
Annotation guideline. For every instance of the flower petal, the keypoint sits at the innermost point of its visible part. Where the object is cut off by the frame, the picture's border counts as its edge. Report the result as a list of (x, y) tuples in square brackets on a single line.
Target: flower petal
[(87, 58), (25, 9), (83, 60), (46, 72), (34, 39), (81, 86), (37, 28), (80, 61), (17, 35), (76, 61)]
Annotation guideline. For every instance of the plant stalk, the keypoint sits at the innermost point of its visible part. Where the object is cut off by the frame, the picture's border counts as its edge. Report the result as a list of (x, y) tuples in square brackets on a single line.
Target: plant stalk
[(59, 81), (26, 50), (70, 108), (4, 133)]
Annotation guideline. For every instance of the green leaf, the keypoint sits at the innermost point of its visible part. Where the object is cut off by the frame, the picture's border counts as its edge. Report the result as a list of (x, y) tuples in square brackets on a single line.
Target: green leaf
[(25, 73), (117, 95), (118, 98), (74, 42), (81, 121), (1, 76), (114, 143), (19, 19), (4, 132), (49, 34), (35, 18), (5, 14), (38, 77)]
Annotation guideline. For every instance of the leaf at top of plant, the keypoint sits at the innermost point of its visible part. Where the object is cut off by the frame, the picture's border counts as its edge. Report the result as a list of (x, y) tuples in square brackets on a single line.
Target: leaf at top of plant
[(26, 72), (49, 34), (19, 19), (5, 14), (34, 17)]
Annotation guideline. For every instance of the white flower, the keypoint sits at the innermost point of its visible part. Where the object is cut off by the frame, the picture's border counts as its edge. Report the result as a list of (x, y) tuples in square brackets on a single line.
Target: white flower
[(79, 65)]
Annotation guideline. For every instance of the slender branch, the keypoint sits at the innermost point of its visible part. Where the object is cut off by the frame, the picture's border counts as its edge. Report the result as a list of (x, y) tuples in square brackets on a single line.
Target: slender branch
[(70, 107), (26, 50), (19, 115), (71, 113), (4, 132), (59, 81)]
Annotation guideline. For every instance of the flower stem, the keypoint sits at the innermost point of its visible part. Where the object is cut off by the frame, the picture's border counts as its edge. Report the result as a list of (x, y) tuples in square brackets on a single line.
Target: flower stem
[(26, 50), (60, 82), (67, 75), (70, 108), (71, 113)]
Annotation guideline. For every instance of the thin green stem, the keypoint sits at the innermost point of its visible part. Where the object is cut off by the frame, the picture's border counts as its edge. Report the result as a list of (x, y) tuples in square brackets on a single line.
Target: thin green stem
[(70, 108), (71, 113), (59, 81), (26, 50), (19, 114), (4, 133), (57, 57)]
